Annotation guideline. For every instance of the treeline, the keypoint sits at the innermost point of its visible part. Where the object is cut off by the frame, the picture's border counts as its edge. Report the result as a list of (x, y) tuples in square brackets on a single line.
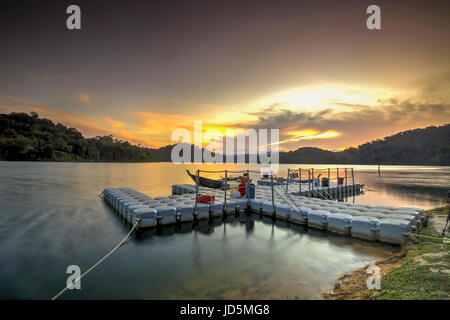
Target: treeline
[(428, 146), (28, 137)]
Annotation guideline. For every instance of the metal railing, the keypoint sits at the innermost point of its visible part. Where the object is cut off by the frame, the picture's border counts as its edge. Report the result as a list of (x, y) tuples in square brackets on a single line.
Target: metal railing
[(312, 182), (225, 185)]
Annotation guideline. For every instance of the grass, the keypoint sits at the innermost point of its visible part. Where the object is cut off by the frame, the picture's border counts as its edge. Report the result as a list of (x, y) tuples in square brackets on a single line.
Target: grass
[(425, 272)]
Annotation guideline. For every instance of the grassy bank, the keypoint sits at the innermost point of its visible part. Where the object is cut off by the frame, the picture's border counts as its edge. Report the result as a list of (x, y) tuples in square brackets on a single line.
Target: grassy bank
[(420, 271)]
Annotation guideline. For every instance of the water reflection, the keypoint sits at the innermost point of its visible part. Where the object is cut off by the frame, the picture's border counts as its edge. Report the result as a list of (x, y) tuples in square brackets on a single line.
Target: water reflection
[(254, 256), (51, 217)]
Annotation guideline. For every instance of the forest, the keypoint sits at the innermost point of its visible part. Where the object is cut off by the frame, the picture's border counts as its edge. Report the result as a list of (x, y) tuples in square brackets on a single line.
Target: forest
[(28, 137), (428, 146)]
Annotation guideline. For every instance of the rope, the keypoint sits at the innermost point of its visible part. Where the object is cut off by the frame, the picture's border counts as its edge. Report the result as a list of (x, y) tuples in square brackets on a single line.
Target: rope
[(431, 237), (100, 261)]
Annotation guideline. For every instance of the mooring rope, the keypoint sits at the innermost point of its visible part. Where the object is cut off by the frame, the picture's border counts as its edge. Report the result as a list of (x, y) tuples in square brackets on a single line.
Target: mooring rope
[(431, 237), (100, 261)]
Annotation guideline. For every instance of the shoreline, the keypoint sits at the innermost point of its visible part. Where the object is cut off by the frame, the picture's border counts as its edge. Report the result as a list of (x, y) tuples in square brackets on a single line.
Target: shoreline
[(243, 163), (427, 251)]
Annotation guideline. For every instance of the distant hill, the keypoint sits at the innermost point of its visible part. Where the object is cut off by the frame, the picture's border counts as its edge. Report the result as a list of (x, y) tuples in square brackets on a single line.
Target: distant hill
[(428, 146), (28, 137)]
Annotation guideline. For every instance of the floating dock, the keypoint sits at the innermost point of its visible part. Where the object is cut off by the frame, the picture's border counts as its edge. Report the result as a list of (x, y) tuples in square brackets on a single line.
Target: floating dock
[(336, 183), (331, 191), (374, 223)]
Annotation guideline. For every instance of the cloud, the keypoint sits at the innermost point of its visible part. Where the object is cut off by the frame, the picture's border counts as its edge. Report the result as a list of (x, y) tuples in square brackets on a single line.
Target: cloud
[(84, 97), (12, 104), (114, 123), (357, 122)]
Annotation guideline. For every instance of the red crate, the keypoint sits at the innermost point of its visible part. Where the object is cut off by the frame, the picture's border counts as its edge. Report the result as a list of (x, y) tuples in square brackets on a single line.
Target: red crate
[(206, 198)]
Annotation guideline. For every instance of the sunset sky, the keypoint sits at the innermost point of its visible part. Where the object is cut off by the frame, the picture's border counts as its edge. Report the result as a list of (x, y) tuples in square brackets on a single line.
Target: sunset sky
[(140, 69)]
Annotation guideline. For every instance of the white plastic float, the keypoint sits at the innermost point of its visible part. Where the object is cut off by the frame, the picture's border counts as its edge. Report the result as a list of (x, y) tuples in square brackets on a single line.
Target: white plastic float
[(384, 223), (364, 228)]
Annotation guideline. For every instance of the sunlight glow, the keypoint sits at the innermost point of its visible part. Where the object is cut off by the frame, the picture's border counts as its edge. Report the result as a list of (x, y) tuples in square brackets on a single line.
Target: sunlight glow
[(335, 96), (310, 134)]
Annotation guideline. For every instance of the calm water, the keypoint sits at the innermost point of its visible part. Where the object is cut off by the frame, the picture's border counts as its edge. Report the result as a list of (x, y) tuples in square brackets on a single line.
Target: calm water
[(51, 217)]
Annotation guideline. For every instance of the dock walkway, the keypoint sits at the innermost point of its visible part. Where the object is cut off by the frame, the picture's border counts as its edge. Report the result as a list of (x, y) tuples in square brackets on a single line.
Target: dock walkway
[(374, 223)]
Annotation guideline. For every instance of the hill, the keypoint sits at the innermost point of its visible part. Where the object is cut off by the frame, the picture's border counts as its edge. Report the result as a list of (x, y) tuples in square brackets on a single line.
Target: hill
[(29, 137), (428, 146)]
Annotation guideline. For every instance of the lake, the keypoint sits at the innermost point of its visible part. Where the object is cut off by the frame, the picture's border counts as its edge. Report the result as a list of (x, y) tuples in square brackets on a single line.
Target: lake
[(51, 217)]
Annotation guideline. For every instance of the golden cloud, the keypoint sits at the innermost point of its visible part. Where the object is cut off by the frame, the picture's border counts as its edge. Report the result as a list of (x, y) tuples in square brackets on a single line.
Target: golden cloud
[(114, 123)]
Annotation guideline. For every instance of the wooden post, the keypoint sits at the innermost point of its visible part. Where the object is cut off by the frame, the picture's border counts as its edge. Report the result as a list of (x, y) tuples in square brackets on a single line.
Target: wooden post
[(300, 181), (287, 181), (196, 191), (271, 183), (353, 182), (337, 182), (248, 188), (309, 180), (345, 180), (226, 186), (329, 182), (346, 190)]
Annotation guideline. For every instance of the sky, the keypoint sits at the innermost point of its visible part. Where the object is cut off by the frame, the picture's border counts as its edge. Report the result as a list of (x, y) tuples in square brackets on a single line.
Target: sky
[(312, 69)]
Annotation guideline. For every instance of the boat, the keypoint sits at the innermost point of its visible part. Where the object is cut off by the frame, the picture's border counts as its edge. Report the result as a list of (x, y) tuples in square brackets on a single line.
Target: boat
[(206, 182), (232, 178)]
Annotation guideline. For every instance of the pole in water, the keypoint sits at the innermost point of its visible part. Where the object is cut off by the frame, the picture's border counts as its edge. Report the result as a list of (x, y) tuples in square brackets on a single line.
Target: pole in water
[(271, 183), (248, 188), (379, 170), (337, 182), (300, 181), (309, 180), (287, 180), (226, 186), (197, 179), (353, 181)]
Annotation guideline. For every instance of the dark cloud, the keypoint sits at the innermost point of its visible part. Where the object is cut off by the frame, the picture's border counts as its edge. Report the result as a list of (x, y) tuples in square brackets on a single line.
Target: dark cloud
[(392, 115)]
